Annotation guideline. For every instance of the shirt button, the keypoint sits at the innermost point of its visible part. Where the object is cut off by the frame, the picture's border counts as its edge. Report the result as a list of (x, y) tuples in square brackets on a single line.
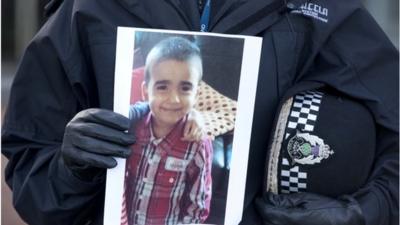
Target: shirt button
[(171, 180)]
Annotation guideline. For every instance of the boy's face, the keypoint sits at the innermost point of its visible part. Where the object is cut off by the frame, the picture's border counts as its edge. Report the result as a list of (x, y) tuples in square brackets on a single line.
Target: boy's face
[(171, 90)]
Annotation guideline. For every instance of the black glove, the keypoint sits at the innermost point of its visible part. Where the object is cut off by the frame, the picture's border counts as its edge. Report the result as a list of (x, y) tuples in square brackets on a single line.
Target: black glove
[(308, 209), (91, 140)]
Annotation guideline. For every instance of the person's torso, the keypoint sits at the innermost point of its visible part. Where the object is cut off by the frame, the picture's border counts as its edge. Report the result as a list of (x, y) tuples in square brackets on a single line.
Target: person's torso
[(156, 177), (287, 51)]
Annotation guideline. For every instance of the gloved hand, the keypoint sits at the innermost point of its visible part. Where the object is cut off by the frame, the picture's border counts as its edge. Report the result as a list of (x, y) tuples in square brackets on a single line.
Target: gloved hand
[(308, 209), (91, 140)]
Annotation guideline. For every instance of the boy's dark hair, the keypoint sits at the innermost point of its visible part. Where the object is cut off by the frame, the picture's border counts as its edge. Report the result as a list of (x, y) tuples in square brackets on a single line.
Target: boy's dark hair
[(175, 48)]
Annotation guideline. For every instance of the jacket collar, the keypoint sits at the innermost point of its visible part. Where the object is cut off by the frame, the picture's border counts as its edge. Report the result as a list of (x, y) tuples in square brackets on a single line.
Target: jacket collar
[(234, 16), (247, 16), (165, 14)]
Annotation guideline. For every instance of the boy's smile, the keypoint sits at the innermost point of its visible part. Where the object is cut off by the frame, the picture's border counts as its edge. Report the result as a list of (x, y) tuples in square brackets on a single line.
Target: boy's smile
[(171, 91)]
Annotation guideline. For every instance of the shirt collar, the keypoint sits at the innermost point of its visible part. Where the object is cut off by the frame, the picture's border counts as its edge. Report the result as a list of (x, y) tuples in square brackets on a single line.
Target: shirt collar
[(144, 134)]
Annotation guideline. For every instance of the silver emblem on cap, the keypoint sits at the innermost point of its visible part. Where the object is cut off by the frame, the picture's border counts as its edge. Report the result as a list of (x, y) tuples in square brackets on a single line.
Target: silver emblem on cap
[(308, 149)]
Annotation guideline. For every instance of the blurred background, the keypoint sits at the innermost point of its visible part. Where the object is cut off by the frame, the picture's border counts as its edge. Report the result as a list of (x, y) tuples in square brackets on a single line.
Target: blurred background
[(20, 20)]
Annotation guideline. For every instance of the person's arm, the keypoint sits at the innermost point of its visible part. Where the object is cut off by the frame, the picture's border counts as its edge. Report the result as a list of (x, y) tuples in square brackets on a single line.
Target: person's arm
[(369, 64), (379, 198), (138, 110), (195, 203), (194, 127), (359, 61), (55, 172)]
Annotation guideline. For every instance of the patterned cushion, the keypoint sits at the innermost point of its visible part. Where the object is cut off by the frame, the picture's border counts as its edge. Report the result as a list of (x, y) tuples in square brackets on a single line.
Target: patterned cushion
[(219, 111)]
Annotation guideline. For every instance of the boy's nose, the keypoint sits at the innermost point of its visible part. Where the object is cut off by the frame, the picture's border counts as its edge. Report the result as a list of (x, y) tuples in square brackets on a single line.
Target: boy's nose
[(174, 97)]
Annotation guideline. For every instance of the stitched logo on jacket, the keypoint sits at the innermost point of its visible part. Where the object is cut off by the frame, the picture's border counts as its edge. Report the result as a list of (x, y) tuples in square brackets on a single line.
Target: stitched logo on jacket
[(313, 10)]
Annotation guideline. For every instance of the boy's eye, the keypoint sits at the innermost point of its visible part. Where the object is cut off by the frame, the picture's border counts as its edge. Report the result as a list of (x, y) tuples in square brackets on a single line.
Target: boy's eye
[(161, 87), (186, 88)]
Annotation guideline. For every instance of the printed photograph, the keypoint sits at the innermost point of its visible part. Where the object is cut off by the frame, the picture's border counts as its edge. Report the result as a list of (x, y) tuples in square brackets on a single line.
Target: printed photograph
[(183, 108)]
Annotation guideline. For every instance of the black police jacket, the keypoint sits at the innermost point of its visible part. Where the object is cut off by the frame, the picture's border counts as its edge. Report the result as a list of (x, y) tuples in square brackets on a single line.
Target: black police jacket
[(69, 67)]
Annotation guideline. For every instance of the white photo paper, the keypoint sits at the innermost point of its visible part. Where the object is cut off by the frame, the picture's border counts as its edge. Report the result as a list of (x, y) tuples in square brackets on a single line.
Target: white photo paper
[(170, 83)]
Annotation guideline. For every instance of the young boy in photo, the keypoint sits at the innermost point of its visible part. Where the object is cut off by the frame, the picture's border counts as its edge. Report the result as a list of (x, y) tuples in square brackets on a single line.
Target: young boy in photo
[(168, 179)]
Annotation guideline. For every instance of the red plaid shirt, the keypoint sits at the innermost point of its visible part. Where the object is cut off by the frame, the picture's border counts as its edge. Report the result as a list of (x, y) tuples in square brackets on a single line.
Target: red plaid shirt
[(168, 181)]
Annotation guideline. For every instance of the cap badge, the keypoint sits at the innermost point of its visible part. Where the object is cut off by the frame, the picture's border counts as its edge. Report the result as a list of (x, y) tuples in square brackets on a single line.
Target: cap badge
[(307, 149)]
